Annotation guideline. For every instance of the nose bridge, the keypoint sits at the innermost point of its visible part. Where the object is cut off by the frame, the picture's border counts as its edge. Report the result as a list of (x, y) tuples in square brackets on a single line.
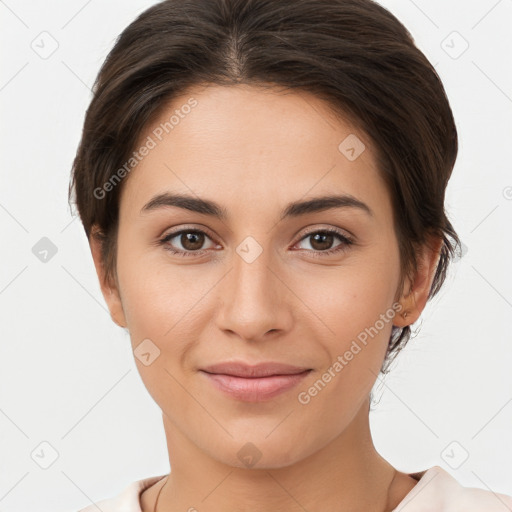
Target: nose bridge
[(251, 269), (252, 298)]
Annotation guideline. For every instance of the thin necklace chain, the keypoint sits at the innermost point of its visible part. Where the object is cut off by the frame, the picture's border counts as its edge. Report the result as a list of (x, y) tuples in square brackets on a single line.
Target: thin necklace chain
[(158, 495), (159, 492)]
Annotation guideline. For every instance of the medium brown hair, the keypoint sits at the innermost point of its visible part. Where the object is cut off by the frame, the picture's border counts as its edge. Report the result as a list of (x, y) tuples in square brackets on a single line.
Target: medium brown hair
[(354, 54)]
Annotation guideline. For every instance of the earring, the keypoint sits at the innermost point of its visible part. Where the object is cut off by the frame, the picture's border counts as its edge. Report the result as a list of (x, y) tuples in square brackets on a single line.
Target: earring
[(404, 314)]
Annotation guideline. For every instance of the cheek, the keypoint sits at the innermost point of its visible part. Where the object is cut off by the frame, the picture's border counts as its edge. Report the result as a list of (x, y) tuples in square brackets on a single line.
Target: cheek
[(159, 302), (163, 304), (351, 298), (162, 301), (354, 303)]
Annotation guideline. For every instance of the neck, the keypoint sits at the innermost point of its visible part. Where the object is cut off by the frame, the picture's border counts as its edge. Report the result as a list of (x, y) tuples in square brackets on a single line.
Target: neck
[(347, 474)]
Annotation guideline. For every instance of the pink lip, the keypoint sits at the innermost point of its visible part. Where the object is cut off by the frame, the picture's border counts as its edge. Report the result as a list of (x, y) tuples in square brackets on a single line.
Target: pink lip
[(254, 383)]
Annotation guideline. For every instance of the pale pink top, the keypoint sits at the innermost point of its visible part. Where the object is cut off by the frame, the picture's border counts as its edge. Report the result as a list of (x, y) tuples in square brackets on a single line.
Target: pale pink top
[(436, 491)]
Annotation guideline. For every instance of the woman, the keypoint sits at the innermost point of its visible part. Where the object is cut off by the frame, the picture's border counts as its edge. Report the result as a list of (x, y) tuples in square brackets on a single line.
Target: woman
[(262, 186)]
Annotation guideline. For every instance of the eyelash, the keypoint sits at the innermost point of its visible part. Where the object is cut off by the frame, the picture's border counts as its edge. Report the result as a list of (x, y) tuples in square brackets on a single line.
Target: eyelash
[(346, 242)]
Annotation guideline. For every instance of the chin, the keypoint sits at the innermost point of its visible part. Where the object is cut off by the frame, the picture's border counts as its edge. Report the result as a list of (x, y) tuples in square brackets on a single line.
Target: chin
[(261, 452)]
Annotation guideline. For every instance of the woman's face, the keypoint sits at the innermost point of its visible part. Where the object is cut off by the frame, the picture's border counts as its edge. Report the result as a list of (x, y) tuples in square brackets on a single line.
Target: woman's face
[(264, 282)]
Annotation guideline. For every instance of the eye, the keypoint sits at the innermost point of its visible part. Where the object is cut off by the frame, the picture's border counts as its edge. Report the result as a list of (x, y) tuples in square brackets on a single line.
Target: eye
[(189, 242), (321, 241)]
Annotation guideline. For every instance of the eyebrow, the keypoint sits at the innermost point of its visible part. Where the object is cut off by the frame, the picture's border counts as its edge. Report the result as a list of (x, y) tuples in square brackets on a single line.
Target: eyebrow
[(294, 209)]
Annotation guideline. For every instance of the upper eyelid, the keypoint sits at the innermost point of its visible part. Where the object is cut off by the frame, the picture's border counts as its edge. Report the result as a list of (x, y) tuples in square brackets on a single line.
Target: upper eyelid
[(187, 229), (332, 230)]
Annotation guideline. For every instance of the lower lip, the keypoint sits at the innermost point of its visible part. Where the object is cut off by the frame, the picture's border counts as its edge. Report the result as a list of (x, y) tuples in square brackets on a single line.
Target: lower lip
[(255, 389)]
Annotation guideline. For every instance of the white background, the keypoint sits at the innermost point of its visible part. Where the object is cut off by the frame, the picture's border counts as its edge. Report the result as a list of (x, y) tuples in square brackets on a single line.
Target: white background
[(67, 374)]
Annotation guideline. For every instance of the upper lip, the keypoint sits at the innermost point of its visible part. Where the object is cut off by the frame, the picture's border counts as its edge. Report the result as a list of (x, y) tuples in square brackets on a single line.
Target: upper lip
[(240, 369)]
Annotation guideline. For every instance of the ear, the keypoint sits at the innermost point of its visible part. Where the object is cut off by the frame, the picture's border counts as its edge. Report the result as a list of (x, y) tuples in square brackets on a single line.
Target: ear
[(109, 289), (414, 300)]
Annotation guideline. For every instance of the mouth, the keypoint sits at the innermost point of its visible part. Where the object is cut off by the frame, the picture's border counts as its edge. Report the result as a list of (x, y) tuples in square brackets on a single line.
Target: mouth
[(254, 383)]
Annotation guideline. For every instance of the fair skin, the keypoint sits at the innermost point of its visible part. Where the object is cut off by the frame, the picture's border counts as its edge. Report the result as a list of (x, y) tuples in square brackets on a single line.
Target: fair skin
[(253, 152)]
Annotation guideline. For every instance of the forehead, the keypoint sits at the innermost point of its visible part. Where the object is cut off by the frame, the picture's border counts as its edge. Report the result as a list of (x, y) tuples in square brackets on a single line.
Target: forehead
[(246, 142)]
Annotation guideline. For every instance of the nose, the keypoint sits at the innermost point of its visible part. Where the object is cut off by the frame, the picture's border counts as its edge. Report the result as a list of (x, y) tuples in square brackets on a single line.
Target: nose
[(254, 300)]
